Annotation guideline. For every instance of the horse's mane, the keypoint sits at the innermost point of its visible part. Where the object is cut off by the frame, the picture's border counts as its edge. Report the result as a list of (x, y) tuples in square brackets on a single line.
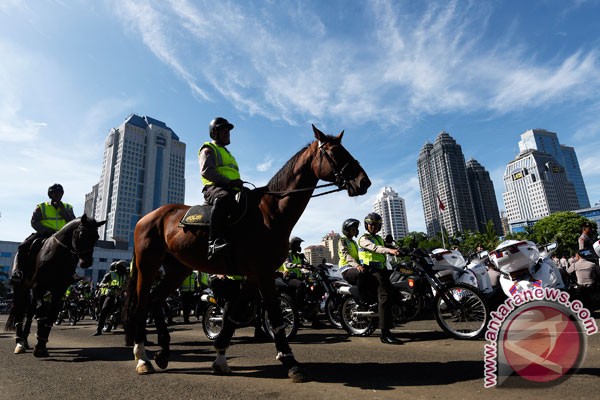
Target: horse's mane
[(278, 180)]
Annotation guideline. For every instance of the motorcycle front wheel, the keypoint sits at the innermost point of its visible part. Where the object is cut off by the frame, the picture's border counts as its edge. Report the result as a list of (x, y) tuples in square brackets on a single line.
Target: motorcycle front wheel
[(212, 321), (332, 310), (291, 317), (462, 311), (355, 323)]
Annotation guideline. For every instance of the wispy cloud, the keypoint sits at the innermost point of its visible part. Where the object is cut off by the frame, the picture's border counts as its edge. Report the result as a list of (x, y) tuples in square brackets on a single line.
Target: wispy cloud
[(294, 75), (265, 165)]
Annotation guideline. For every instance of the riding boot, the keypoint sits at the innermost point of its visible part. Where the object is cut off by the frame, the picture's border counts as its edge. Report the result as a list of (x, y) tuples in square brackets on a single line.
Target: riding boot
[(218, 221)]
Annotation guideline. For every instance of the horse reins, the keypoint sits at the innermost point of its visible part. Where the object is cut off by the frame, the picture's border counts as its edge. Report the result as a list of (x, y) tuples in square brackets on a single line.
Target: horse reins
[(340, 181)]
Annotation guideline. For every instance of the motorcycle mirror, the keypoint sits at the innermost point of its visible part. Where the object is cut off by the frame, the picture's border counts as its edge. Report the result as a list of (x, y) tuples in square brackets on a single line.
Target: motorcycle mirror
[(551, 246)]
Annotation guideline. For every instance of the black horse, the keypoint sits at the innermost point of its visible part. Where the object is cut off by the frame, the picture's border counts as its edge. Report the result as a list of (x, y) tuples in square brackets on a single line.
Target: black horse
[(53, 268)]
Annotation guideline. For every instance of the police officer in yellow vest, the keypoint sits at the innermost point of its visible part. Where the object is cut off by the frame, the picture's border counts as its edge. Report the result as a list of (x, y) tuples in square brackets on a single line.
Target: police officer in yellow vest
[(350, 266), (113, 282), (372, 253), (221, 179), (47, 219), (188, 291)]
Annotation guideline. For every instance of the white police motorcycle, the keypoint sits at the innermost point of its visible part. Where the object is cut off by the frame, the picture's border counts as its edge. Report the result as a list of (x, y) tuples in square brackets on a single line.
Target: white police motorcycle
[(524, 266)]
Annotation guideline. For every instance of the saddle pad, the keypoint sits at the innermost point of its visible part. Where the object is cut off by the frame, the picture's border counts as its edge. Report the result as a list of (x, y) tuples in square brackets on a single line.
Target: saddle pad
[(198, 215)]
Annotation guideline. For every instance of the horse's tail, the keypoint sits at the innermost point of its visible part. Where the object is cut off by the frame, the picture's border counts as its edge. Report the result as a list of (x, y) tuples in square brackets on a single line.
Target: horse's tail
[(130, 302), (18, 308)]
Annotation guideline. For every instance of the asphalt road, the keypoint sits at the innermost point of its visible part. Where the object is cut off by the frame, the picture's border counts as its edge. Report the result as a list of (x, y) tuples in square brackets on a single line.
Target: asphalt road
[(428, 366)]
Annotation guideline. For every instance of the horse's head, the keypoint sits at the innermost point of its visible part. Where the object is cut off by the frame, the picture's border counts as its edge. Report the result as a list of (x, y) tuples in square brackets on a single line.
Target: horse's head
[(84, 239), (335, 164)]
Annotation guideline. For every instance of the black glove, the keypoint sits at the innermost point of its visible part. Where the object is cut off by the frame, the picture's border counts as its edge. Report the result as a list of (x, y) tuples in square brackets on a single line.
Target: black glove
[(236, 183)]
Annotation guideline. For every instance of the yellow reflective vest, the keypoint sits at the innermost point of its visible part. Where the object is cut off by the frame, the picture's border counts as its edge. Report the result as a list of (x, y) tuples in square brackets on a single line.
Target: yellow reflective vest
[(51, 218), (371, 258), (189, 283), (226, 164), (352, 248)]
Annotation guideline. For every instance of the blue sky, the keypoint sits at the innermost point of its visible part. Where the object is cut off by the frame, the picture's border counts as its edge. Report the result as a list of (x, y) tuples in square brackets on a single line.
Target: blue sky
[(392, 74)]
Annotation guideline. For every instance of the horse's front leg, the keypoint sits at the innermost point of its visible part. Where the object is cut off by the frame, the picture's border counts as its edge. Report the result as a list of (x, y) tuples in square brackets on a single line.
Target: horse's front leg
[(284, 352), (161, 357), (220, 365), (23, 325), (47, 314)]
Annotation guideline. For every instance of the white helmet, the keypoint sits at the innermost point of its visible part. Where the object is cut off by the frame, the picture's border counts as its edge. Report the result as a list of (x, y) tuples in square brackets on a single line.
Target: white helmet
[(514, 255), (597, 247)]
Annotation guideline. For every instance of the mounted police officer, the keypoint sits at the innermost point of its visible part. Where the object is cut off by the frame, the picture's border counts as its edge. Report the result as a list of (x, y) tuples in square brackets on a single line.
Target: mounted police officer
[(221, 179), (111, 286), (48, 218), (372, 253)]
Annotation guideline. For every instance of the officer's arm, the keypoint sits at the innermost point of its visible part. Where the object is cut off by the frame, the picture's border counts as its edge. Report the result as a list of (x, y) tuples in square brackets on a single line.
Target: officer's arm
[(69, 214), (36, 221)]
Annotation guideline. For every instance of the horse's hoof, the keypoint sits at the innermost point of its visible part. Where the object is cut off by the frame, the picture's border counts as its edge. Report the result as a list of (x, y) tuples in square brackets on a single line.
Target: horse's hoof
[(161, 359), (40, 353), (220, 369), (297, 374), (20, 348), (144, 368)]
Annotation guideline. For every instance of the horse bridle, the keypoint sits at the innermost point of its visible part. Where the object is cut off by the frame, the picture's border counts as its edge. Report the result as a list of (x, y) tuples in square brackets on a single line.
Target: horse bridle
[(341, 181), (73, 249)]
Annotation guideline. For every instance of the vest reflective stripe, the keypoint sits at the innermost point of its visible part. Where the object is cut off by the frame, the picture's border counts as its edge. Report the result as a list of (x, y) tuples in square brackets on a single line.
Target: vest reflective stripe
[(116, 280), (369, 257), (204, 279), (226, 164), (294, 259), (236, 277), (189, 283), (352, 247), (51, 218)]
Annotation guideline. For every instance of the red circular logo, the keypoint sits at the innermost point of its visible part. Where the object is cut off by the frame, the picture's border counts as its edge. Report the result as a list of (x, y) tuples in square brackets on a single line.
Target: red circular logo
[(542, 343)]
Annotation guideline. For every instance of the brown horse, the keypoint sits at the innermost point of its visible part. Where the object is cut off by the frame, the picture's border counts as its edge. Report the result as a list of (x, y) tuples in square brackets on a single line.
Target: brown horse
[(259, 245)]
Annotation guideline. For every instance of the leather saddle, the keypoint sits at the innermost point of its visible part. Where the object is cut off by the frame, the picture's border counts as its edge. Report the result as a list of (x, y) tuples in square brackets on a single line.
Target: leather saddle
[(198, 216)]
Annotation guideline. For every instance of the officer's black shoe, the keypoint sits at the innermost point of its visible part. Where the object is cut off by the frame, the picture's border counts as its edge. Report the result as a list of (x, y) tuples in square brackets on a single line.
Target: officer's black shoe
[(97, 333), (215, 246), (389, 338)]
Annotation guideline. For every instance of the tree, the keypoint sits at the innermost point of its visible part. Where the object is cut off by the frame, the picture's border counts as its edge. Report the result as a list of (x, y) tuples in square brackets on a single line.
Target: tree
[(563, 227)]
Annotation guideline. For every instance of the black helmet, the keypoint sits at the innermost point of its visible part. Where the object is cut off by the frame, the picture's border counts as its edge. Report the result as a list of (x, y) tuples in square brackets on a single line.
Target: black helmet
[(119, 266), (373, 218), (295, 239), (349, 223), (57, 187), (215, 124)]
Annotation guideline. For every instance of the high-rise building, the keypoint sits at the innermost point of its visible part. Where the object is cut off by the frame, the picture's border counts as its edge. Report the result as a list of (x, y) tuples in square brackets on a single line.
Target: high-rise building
[(445, 191), (483, 196), (316, 254), (143, 168), (332, 242), (547, 142), (393, 212), (536, 185)]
